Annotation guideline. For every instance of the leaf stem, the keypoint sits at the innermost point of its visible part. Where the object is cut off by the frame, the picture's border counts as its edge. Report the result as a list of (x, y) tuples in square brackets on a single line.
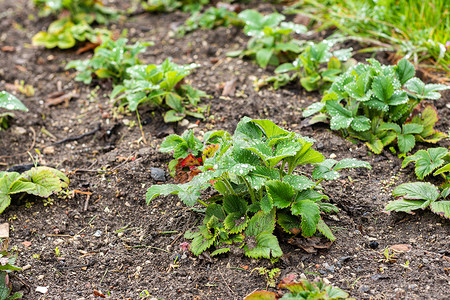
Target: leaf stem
[(228, 185), (140, 127), (201, 202), (250, 189)]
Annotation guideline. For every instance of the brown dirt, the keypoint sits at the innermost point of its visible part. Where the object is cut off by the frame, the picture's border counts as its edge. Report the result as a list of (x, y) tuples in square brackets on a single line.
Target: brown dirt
[(114, 243)]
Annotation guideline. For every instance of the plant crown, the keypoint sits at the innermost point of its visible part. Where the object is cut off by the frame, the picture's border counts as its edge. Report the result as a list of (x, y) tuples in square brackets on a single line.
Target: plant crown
[(253, 174)]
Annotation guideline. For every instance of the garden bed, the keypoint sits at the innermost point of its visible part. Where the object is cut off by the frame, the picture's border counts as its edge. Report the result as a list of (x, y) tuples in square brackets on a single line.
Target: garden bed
[(112, 242)]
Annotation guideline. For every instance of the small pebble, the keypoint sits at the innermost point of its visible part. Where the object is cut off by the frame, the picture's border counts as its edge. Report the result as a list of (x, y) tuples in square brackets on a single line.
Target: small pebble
[(364, 289), (158, 174), (373, 245), (49, 150), (18, 130), (98, 233), (42, 289)]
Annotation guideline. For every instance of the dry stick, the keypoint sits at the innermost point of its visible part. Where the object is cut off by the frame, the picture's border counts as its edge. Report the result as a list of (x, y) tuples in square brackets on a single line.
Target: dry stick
[(29, 149), (225, 281), (75, 138), (86, 203)]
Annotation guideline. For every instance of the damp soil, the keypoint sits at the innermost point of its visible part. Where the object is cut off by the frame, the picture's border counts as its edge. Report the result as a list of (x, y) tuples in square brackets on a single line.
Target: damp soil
[(112, 242)]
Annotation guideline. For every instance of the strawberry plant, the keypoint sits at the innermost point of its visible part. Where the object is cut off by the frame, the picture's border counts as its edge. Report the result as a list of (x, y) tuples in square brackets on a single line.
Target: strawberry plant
[(110, 60), (373, 103), (302, 289), (421, 195), (74, 23), (213, 17), (160, 86), (172, 5), (9, 102), (39, 181), (257, 188), (271, 41), (316, 67), (7, 262), (427, 161)]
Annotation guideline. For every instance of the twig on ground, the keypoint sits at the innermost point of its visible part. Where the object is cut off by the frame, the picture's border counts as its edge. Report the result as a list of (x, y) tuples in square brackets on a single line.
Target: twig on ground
[(75, 138), (225, 282)]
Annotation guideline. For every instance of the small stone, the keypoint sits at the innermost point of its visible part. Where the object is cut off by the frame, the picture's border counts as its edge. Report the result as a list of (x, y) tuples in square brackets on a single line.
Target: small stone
[(331, 269), (120, 234), (49, 150), (26, 267), (158, 174), (332, 155), (364, 288), (98, 233), (40, 277), (344, 258), (326, 281), (42, 289), (373, 245), (412, 286), (184, 123), (4, 230), (16, 130), (58, 242), (323, 272)]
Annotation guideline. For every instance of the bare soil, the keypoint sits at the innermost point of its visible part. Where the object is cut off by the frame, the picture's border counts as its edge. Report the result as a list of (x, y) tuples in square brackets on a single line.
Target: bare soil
[(112, 242)]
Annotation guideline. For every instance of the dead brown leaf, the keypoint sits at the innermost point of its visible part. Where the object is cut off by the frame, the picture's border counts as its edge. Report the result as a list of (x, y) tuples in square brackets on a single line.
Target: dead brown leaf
[(401, 247), (8, 49), (64, 98), (302, 19), (87, 46), (229, 87)]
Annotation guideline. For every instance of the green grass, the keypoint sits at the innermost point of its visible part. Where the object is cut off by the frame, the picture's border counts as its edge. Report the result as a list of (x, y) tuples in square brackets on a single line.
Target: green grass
[(413, 28)]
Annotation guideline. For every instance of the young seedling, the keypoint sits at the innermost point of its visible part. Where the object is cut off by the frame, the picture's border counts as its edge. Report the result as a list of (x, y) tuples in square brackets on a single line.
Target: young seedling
[(316, 68), (110, 60), (172, 5), (160, 86), (38, 181), (373, 103), (253, 175), (271, 41), (427, 161), (421, 195), (213, 17), (75, 25)]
